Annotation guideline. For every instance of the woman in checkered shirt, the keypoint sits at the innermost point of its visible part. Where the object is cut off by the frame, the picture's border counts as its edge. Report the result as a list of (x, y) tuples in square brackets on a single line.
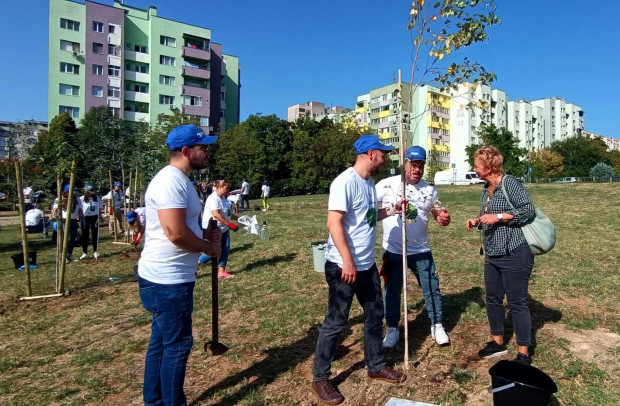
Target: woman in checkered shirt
[(508, 261)]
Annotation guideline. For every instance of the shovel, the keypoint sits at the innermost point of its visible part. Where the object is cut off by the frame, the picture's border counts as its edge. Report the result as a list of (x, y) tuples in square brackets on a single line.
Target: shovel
[(214, 347)]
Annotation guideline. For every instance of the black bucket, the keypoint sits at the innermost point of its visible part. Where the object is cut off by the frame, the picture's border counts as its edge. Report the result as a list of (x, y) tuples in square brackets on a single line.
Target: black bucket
[(516, 384), (18, 259)]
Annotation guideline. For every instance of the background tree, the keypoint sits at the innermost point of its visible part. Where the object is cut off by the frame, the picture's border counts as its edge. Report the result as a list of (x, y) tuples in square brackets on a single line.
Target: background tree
[(546, 163), (54, 151), (614, 160), (580, 154), (601, 171), (507, 144), (433, 164)]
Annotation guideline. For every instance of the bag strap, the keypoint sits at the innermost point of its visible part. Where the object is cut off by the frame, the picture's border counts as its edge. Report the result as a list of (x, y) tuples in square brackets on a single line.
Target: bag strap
[(504, 192)]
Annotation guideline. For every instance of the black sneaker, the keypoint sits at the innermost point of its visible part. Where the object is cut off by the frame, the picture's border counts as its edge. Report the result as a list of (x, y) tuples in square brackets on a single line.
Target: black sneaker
[(523, 359), (492, 350)]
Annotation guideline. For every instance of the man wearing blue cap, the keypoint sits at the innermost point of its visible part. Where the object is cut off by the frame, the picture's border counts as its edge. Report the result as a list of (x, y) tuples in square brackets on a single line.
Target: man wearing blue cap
[(422, 199), (350, 267), (168, 265), (115, 202)]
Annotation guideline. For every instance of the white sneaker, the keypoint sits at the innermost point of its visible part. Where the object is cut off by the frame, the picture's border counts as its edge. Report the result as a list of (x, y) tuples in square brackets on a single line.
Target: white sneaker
[(83, 255), (96, 255), (391, 337), (439, 334)]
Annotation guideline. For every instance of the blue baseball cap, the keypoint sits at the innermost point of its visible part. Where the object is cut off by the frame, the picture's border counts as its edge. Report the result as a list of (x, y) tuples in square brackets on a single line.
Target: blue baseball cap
[(369, 141), (186, 136), (66, 188), (416, 153), (88, 188), (131, 216), (118, 184)]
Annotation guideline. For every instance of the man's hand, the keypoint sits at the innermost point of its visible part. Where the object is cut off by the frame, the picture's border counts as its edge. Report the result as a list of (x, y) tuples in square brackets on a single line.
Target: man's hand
[(443, 218), (213, 235), (401, 206), (349, 272), (472, 223)]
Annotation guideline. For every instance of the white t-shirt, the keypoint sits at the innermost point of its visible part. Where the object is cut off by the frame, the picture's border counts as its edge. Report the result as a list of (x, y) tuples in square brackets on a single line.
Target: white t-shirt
[(90, 207), (77, 204), (162, 261), (245, 188), (265, 189), (422, 195), (356, 196), (33, 217), (214, 202), (118, 198), (141, 212)]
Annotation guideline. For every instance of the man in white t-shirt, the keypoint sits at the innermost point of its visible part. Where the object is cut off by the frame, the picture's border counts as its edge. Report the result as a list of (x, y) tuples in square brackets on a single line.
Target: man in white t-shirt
[(244, 196), (115, 202), (168, 265), (423, 200), (34, 220), (350, 267)]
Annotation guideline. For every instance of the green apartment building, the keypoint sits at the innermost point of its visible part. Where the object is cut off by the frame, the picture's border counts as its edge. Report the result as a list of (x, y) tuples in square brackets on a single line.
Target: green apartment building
[(138, 64)]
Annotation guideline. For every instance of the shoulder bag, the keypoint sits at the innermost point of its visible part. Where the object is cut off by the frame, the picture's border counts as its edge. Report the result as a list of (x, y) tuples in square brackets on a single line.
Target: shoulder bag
[(539, 233)]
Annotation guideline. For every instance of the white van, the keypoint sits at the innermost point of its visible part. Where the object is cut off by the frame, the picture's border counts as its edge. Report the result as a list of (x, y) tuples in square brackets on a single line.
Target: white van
[(456, 178)]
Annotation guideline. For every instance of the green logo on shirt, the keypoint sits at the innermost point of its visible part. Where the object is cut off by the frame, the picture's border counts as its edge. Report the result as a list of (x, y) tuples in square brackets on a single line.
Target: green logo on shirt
[(371, 216)]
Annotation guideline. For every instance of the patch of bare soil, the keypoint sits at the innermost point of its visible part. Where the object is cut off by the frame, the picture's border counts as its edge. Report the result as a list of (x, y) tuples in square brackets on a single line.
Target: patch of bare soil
[(600, 346)]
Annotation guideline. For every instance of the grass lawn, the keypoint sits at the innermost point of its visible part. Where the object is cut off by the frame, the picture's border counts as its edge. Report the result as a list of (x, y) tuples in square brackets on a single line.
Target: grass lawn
[(88, 347)]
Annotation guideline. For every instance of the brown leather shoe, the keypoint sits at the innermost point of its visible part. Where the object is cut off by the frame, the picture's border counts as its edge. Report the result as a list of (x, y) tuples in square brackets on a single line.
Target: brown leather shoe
[(326, 393), (387, 374)]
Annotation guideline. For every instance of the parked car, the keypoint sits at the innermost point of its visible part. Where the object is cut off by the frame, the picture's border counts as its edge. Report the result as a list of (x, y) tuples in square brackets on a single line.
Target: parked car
[(567, 180)]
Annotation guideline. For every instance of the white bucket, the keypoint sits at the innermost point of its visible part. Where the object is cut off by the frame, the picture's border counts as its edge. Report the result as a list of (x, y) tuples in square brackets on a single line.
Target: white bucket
[(318, 254)]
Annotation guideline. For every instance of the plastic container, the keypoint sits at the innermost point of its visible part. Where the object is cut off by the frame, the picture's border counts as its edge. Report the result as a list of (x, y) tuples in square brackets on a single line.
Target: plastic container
[(18, 259), (318, 254), (264, 231), (515, 384)]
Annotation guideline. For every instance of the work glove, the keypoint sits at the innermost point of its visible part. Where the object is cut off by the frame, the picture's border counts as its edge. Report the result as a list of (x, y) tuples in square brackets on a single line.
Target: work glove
[(232, 226)]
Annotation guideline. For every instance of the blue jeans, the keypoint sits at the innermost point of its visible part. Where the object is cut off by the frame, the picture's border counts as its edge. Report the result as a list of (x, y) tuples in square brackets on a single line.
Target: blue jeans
[(423, 268), (367, 289), (509, 275), (171, 341), (223, 260)]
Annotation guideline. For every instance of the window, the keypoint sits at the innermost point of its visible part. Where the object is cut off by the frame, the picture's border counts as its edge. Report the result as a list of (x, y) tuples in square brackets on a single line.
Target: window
[(114, 91), (128, 46), (114, 50), (141, 68), (98, 70), (134, 87), (73, 111), (140, 48), (192, 100), (166, 60), (97, 91), (114, 70), (69, 68), (69, 90), (69, 24), (111, 29), (167, 80), (116, 112), (164, 99), (204, 121), (167, 41), (69, 46), (97, 48), (97, 26)]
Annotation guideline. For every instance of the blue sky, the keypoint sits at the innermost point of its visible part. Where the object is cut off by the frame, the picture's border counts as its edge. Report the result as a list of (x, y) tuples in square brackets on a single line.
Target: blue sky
[(332, 51)]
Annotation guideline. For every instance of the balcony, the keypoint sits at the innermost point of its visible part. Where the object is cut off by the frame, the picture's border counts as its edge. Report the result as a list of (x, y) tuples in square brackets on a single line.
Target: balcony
[(196, 53), (197, 91), (135, 116), (195, 110), (137, 56), (137, 76), (196, 72), (137, 96), (223, 104)]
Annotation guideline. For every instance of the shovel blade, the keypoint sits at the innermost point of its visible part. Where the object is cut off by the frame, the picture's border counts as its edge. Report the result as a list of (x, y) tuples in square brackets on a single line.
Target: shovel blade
[(215, 348)]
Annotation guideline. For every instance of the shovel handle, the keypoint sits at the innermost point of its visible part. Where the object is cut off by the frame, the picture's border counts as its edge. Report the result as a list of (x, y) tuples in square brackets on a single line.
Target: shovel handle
[(215, 310)]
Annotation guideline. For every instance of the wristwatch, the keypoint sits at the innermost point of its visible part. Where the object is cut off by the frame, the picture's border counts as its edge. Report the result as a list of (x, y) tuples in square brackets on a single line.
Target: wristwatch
[(500, 216)]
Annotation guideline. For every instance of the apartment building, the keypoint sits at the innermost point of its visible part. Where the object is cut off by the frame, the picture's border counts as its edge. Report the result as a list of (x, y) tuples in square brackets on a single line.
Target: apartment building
[(139, 64), (430, 123), (561, 119), (316, 111), (526, 123), (16, 139), (612, 143)]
